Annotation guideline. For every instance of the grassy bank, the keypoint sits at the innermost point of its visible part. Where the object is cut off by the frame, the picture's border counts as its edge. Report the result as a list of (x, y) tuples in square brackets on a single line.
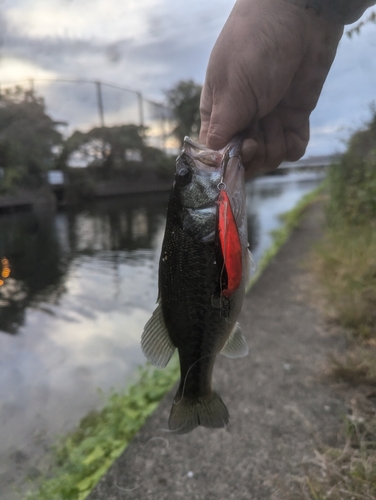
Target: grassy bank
[(84, 456), (345, 266)]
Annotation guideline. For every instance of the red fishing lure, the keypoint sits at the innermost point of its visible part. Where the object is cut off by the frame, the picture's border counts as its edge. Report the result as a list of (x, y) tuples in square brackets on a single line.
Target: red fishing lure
[(229, 241)]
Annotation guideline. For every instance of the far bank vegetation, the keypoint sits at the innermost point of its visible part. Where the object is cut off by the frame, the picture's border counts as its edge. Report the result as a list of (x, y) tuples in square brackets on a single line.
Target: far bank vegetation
[(345, 264), (32, 144)]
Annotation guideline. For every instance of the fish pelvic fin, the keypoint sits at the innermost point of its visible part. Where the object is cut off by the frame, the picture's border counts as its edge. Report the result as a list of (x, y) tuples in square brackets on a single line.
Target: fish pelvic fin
[(251, 268), (187, 414), (236, 346), (155, 340)]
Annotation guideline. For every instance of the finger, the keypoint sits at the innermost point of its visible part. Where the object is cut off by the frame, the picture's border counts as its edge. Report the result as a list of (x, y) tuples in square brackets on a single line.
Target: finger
[(296, 129), (230, 114), (256, 163), (206, 104), (295, 146), (249, 149), (275, 142), (271, 149)]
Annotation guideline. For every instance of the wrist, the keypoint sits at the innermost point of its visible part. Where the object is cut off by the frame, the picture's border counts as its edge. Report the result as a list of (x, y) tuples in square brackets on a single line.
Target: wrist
[(337, 11)]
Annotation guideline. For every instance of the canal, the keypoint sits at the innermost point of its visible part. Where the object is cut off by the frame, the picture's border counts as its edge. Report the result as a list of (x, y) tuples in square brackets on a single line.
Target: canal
[(80, 285)]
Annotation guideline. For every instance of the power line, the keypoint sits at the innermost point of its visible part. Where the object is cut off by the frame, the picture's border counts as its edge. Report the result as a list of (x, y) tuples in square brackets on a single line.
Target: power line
[(98, 84)]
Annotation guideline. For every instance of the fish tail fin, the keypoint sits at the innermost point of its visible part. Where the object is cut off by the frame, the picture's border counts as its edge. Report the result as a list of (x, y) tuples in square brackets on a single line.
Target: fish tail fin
[(186, 414)]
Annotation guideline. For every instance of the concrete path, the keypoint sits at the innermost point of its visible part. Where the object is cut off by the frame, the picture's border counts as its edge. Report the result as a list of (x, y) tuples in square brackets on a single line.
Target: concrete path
[(279, 407)]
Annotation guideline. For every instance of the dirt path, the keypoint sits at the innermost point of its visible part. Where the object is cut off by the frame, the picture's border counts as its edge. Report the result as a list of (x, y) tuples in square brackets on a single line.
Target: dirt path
[(278, 406)]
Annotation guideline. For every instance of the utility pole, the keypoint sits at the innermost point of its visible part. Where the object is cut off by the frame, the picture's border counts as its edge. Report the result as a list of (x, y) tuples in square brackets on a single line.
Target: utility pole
[(163, 128), (31, 86), (100, 102), (140, 108)]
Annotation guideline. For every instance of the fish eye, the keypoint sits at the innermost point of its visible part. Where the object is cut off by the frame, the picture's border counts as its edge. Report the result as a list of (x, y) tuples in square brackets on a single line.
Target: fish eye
[(184, 172), (184, 176)]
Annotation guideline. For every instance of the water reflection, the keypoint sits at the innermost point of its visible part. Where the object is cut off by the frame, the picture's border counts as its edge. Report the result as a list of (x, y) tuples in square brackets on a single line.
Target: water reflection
[(37, 263), (104, 254), (43, 248)]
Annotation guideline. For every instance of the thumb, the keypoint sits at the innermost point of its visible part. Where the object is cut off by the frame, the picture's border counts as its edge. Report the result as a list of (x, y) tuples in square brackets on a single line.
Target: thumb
[(225, 120)]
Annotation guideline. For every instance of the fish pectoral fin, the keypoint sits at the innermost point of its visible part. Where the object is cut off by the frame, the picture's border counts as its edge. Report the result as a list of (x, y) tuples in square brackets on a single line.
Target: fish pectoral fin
[(236, 346), (155, 340)]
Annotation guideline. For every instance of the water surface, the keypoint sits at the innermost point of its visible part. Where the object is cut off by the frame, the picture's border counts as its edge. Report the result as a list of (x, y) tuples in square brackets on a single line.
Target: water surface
[(83, 283)]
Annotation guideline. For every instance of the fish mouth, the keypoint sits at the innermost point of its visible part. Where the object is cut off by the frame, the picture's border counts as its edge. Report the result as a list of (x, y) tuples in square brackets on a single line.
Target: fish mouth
[(224, 167), (208, 160)]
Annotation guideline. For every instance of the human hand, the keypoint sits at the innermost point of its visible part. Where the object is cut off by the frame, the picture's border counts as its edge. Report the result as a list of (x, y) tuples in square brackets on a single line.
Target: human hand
[(267, 68)]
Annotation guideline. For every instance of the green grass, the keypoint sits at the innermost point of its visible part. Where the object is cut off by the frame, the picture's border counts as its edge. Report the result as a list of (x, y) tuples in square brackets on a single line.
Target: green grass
[(84, 455), (345, 264), (347, 473), (356, 366), (346, 267)]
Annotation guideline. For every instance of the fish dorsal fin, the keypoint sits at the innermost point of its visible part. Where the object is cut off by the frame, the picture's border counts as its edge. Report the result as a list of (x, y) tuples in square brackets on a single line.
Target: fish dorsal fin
[(230, 245), (236, 346), (155, 341)]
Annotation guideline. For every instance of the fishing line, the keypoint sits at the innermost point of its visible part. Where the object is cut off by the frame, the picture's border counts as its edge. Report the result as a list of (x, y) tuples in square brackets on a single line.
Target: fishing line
[(186, 376), (139, 454), (161, 439), (174, 431), (126, 490)]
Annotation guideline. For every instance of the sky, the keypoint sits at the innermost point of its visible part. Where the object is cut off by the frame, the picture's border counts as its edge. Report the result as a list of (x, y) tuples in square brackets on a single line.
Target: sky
[(148, 46)]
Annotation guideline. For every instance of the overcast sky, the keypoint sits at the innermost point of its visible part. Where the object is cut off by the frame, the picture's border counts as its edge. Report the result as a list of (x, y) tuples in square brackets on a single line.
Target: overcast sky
[(149, 45)]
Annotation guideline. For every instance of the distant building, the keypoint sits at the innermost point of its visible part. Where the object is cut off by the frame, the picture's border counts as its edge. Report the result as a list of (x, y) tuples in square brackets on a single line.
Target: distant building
[(133, 155), (55, 177)]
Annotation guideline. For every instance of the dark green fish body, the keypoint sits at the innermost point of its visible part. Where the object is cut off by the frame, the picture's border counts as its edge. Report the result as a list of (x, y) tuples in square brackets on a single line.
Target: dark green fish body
[(193, 315)]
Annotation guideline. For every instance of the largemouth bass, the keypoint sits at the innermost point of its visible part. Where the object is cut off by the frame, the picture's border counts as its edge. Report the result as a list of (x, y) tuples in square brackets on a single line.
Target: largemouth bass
[(203, 271)]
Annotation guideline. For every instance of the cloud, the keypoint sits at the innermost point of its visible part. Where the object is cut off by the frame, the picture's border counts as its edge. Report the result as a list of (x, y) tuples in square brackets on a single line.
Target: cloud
[(149, 45), (344, 105)]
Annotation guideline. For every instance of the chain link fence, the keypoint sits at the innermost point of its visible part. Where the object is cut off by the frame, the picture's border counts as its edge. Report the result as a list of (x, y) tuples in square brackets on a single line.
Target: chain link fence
[(79, 104)]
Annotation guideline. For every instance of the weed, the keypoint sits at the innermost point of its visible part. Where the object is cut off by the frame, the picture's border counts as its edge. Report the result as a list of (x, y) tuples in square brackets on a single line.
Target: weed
[(357, 366), (84, 456), (346, 266), (349, 473)]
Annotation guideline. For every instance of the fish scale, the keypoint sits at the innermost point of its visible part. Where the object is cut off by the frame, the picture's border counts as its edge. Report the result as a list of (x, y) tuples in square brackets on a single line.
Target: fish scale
[(197, 311)]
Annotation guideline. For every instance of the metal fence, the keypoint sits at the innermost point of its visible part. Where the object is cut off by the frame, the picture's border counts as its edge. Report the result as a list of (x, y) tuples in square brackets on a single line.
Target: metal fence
[(80, 104)]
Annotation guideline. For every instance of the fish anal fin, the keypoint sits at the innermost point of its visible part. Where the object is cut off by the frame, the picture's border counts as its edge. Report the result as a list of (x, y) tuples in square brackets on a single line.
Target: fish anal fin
[(155, 341), (236, 346), (187, 414)]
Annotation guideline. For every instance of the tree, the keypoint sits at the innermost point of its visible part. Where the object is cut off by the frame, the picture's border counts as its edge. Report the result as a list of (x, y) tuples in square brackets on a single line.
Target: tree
[(358, 27), (104, 146), (28, 138), (184, 101)]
